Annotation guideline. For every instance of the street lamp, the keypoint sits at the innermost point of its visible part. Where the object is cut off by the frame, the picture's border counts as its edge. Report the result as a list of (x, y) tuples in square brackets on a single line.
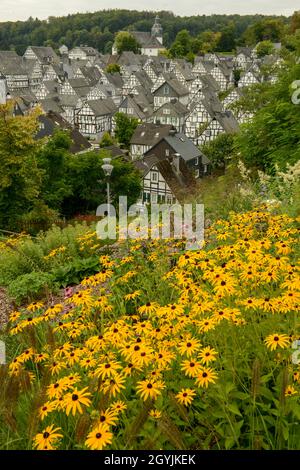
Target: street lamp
[(107, 168)]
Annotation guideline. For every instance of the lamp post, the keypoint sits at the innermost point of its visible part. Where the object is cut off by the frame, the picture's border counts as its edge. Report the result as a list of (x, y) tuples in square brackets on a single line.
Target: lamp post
[(107, 168)]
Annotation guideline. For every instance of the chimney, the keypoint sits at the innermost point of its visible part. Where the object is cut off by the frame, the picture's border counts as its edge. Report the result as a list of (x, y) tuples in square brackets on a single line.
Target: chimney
[(172, 132)]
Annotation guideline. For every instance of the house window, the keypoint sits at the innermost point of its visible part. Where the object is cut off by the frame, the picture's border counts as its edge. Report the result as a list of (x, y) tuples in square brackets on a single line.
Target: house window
[(169, 199), (166, 90), (146, 197), (204, 168), (197, 161), (167, 152), (153, 176), (154, 197), (166, 111), (197, 174)]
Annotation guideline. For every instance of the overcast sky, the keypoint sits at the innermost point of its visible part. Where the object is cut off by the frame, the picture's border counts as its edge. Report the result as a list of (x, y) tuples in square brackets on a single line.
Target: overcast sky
[(22, 9)]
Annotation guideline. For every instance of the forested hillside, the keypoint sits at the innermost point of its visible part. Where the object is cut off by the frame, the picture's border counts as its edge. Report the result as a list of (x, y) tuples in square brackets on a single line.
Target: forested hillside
[(98, 29)]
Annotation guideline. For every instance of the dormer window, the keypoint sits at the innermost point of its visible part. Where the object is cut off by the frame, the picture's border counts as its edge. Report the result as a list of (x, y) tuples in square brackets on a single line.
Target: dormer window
[(166, 90)]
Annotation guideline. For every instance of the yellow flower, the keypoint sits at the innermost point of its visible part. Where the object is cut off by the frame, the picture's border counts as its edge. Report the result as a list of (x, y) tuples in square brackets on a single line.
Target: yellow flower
[(189, 346), (149, 308), (35, 306), (207, 355), (185, 396), (156, 414), (191, 367), (46, 439), (206, 376), (277, 341), (118, 406), (108, 369), (132, 296), (46, 409), (99, 437), (109, 417), (74, 400), (149, 389), (290, 390)]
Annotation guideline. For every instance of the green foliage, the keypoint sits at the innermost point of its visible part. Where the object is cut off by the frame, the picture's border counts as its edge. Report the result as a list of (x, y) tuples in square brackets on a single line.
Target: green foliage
[(31, 286), (35, 267), (107, 140), (227, 42), (264, 48), (126, 42), (221, 194), (220, 150), (113, 68), (273, 136), (42, 179), (125, 127), (72, 273), (53, 159), (98, 29), (267, 29), (88, 181), (20, 177)]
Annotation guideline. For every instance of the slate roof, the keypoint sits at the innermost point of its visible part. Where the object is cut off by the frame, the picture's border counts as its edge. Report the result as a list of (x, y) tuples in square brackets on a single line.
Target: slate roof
[(149, 134), (176, 85), (184, 146), (247, 51), (228, 122), (102, 107), (146, 40), (175, 107), (11, 64), (42, 52)]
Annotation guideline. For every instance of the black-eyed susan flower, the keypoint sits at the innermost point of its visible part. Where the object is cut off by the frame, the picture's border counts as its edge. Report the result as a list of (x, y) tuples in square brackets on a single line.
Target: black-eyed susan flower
[(47, 438), (205, 377), (99, 437), (74, 400), (118, 406), (191, 367), (113, 385), (290, 390), (277, 341), (148, 308), (185, 396), (207, 355), (149, 389), (107, 369), (189, 346), (156, 414), (45, 409)]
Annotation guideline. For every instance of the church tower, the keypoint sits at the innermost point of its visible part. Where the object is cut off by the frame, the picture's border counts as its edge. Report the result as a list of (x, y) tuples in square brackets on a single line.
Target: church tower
[(157, 31)]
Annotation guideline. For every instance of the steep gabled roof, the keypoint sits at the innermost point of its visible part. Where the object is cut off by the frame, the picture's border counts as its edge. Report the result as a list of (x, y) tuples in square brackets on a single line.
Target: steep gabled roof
[(102, 107), (149, 134), (178, 108), (180, 180), (184, 146), (176, 85)]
